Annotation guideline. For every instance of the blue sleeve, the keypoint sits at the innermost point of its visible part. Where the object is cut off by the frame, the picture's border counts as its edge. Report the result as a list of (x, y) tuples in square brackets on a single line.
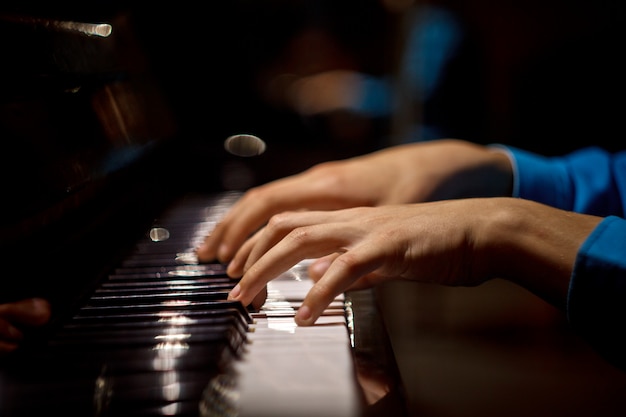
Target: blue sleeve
[(596, 305), (590, 180)]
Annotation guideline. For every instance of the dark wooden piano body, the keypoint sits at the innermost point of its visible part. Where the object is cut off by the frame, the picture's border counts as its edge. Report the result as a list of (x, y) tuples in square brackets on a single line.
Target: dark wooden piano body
[(94, 157)]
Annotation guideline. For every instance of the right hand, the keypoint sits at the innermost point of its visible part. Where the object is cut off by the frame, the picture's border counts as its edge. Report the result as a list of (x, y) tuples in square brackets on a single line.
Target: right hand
[(460, 242)]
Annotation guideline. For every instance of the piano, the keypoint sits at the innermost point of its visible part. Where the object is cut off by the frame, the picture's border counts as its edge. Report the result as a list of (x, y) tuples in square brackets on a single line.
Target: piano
[(106, 191)]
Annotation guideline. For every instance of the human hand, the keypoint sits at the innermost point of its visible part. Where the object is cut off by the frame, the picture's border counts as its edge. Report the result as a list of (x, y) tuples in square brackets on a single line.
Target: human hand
[(409, 173), (456, 242), (16, 317)]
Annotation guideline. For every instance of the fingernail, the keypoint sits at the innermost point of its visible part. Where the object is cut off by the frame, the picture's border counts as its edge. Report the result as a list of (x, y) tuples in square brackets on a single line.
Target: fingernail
[(232, 268), (234, 293), (222, 253), (201, 252), (41, 305), (303, 315)]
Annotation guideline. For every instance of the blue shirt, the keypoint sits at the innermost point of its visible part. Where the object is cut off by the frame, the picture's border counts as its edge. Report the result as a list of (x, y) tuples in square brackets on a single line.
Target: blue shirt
[(592, 181)]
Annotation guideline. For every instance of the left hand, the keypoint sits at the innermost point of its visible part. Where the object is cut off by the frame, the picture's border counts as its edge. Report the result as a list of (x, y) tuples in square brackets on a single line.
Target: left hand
[(17, 316)]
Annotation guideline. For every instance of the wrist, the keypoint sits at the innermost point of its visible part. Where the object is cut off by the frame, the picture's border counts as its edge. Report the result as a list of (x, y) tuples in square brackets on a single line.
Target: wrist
[(534, 246)]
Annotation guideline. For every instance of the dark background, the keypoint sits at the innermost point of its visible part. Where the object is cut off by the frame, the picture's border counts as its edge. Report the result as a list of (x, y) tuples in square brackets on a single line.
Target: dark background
[(546, 76)]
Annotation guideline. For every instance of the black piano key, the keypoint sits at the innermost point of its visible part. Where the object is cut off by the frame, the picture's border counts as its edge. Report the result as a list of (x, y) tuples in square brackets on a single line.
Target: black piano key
[(151, 260), (65, 360), (94, 324), (157, 248), (125, 316), (148, 288), (151, 321), (180, 251), (219, 307), (174, 270), (156, 297), (149, 336), (176, 276), (142, 281)]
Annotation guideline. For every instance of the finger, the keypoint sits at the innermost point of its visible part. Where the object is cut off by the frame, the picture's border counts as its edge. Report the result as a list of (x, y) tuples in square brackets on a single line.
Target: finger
[(235, 267), (30, 312), (229, 233), (307, 190), (302, 243), (246, 216), (283, 224), (207, 250), (276, 229), (319, 267), (9, 333), (259, 299), (7, 347), (345, 272)]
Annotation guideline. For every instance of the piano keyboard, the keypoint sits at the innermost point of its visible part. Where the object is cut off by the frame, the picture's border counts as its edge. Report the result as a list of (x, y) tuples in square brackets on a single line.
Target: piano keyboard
[(158, 337)]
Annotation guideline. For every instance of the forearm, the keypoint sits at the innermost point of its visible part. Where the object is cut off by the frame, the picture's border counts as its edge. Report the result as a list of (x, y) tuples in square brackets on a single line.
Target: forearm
[(534, 246)]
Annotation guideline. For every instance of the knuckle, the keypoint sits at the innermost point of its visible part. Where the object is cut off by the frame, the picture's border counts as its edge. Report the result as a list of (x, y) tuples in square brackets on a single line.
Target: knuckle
[(254, 194), (279, 221)]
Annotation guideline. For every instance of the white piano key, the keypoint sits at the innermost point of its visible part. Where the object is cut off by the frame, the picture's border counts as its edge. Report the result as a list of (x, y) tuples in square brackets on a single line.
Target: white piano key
[(290, 370), (299, 371)]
